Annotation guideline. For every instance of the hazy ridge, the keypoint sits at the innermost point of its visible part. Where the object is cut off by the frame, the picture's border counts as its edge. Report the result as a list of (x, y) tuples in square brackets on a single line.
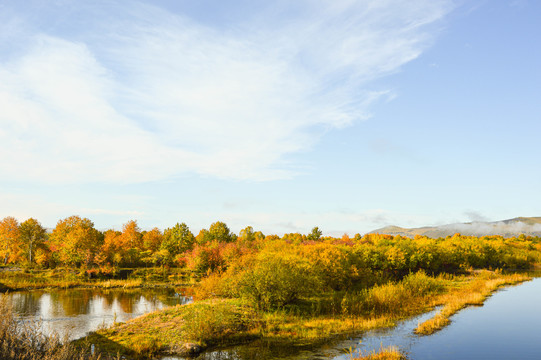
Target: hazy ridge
[(507, 228)]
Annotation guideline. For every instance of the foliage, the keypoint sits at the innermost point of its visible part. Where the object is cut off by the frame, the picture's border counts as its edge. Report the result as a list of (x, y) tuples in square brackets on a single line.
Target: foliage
[(131, 235), (277, 279), (315, 235), (215, 320), (33, 237), (205, 257), (152, 240), (75, 240), (337, 263), (9, 240), (248, 235), (218, 232), (178, 239)]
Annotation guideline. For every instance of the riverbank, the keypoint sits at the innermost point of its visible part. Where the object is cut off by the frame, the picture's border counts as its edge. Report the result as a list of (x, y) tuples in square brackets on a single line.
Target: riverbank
[(473, 294), (215, 323)]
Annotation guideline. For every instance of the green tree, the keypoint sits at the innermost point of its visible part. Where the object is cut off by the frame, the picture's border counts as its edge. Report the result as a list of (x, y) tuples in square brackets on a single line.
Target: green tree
[(315, 235), (178, 239), (247, 234), (218, 231), (277, 279), (33, 236)]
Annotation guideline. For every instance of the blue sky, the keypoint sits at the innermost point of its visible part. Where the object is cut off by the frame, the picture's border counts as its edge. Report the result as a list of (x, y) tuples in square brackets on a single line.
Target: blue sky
[(347, 115)]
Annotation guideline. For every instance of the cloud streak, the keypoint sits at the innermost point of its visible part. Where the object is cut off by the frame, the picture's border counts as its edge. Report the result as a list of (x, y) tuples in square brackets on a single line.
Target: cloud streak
[(135, 93)]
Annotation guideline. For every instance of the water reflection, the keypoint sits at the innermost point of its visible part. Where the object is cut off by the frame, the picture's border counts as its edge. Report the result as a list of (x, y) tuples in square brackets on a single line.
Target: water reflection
[(76, 312)]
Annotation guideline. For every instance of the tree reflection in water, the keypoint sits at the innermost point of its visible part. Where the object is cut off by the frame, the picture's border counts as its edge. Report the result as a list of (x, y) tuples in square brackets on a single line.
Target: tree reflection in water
[(79, 311)]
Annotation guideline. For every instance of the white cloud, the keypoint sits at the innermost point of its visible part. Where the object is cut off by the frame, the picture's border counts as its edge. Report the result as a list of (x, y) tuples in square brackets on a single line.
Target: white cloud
[(151, 94)]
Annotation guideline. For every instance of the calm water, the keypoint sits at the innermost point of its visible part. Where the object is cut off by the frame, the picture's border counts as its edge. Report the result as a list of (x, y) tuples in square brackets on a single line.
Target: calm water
[(76, 312), (506, 327)]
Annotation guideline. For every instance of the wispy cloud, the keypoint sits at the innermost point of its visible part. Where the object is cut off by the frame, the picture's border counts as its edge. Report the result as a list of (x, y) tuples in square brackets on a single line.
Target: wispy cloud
[(129, 92), (475, 216)]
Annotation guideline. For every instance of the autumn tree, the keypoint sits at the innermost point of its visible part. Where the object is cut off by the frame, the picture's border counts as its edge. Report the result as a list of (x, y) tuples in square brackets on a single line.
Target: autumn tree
[(247, 234), (203, 237), (131, 235), (152, 240), (295, 238), (178, 239), (10, 245), (218, 231), (76, 240), (111, 251), (33, 237)]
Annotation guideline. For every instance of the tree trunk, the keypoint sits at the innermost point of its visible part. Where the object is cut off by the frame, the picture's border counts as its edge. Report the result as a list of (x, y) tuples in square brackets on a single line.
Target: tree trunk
[(30, 249)]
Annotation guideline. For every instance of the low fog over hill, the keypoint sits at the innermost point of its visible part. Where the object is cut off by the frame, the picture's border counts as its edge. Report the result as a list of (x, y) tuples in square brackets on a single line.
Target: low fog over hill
[(506, 228)]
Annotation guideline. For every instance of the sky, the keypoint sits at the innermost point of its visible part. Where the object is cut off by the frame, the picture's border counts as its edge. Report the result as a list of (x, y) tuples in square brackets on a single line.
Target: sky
[(346, 115)]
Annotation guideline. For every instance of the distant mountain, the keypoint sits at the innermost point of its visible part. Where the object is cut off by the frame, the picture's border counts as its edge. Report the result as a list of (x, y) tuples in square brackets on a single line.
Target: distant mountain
[(507, 228)]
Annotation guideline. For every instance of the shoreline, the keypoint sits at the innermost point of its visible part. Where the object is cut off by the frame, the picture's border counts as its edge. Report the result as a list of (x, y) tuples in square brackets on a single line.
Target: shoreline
[(248, 325)]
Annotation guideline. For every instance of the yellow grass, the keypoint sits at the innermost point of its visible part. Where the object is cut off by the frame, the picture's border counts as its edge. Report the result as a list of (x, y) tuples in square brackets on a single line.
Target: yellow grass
[(389, 353)]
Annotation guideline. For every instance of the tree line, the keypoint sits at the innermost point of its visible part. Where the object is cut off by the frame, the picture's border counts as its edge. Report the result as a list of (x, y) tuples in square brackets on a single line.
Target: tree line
[(75, 242)]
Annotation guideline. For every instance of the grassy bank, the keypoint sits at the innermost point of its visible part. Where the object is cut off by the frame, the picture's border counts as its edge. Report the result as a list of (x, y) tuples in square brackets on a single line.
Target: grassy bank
[(220, 322), (474, 293)]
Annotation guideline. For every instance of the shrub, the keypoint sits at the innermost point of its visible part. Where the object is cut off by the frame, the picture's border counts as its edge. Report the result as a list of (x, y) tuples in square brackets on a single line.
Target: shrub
[(276, 279), (215, 320)]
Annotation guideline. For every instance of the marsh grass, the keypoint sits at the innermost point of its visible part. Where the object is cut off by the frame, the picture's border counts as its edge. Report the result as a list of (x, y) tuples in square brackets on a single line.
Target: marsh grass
[(64, 279), (473, 294), (24, 279), (126, 284), (388, 353)]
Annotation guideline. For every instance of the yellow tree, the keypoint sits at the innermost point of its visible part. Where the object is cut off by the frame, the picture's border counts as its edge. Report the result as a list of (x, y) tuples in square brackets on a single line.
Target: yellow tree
[(33, 236), (131, 235), (112, 250), (76, 240), (132, 242), (10, 243), (152, 240)]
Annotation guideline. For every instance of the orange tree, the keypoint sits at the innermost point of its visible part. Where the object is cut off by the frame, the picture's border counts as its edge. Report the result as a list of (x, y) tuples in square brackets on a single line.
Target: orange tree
[(76, 241)]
